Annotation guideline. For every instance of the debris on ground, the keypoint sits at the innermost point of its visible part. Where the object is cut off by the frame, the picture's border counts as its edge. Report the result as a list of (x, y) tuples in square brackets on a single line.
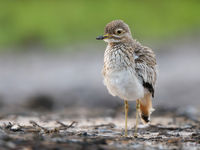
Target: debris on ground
[(50, 132)]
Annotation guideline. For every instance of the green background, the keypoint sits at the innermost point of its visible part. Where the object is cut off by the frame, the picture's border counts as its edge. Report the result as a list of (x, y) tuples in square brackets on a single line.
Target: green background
[(60, 22)]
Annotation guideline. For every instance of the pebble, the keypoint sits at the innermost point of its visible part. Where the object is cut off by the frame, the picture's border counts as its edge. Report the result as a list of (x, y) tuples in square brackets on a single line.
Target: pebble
[(15, 128)]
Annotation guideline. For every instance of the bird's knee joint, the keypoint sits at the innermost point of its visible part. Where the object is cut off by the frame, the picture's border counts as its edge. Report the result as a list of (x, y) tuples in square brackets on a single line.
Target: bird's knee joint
[(126, 106), (138, 106)]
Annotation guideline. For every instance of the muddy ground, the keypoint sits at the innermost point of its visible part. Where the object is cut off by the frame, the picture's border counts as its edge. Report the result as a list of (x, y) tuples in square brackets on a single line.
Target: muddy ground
[(57, 131)]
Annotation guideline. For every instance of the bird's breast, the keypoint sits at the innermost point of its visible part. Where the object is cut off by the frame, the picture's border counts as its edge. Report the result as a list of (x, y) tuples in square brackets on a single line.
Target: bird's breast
[(124, 84), (119, 74)]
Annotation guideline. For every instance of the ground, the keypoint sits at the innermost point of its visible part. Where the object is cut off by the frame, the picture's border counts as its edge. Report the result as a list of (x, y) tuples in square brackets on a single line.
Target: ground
[(57, 131)]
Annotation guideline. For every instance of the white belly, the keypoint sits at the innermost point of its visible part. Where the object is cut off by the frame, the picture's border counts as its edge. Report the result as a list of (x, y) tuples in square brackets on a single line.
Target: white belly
[(124, 84)]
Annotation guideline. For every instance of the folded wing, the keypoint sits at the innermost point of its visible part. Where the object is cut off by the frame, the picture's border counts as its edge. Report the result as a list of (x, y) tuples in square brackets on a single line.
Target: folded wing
[(145, 67)]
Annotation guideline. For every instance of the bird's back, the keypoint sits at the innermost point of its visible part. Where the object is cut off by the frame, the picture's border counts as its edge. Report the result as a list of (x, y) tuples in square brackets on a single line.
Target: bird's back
[(145, 66)]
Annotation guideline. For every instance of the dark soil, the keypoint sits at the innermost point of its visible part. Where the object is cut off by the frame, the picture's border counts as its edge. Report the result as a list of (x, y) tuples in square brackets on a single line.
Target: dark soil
[(56, 132)]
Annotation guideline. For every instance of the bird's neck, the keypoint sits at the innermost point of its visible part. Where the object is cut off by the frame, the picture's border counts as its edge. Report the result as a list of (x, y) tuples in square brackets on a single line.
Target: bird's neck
[(117, 52), (131, 43), (118, 56)]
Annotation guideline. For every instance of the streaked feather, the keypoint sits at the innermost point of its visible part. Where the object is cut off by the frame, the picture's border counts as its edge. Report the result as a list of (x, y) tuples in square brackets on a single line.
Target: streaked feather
[(145, 66)]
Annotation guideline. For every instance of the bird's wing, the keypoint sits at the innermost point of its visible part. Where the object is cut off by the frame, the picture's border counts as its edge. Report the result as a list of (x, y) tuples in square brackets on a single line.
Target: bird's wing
[(145, 67)]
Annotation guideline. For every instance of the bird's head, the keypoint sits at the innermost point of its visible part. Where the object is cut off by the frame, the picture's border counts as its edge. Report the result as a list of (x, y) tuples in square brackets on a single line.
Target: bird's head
[(116, 31)]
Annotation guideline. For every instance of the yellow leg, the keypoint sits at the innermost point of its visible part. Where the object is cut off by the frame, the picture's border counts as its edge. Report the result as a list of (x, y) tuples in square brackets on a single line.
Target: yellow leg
[(126, 115), (137, 115)]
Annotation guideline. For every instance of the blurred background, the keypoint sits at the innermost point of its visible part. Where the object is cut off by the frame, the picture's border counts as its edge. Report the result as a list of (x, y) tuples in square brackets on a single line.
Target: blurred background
[(50, 60)]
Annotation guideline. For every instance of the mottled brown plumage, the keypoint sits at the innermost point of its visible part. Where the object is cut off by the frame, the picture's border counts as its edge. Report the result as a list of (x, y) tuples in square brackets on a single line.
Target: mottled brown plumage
[(129, 68)]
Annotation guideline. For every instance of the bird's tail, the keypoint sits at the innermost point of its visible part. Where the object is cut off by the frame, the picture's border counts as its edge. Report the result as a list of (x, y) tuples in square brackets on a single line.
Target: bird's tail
[(146, 108)]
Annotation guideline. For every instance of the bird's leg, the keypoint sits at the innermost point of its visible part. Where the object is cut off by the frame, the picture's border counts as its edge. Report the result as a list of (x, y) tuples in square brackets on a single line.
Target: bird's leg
[(126, 115), (137, 115)]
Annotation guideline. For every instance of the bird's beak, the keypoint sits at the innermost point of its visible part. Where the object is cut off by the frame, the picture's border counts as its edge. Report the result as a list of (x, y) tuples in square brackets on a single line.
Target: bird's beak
[(102, 37)]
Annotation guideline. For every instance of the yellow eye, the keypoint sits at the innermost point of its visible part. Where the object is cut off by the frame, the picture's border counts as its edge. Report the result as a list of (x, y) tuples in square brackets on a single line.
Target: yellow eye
[(119, 31)]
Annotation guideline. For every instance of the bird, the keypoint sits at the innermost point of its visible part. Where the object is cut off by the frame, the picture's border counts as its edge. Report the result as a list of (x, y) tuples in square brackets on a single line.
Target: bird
[(129, 70)]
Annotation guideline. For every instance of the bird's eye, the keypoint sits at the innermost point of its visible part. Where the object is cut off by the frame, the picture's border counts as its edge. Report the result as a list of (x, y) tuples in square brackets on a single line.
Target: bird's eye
[(119, 32)]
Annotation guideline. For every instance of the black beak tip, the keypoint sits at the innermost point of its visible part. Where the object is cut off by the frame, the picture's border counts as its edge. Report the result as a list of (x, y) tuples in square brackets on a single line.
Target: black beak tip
[(99, 38)]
